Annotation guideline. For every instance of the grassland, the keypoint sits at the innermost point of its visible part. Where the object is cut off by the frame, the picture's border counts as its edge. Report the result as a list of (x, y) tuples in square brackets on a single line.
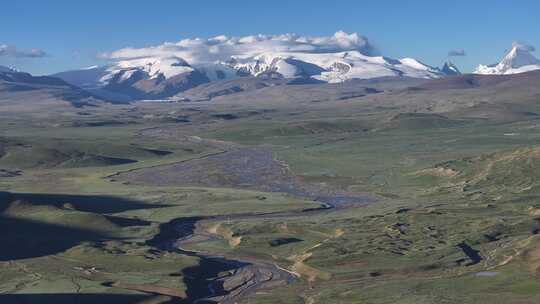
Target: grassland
[(455, 220)]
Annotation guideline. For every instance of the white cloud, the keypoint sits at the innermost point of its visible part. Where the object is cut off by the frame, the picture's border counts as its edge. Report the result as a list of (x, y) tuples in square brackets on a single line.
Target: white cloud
[(523, 46), (13, 51), (222, 48), (457, 53)]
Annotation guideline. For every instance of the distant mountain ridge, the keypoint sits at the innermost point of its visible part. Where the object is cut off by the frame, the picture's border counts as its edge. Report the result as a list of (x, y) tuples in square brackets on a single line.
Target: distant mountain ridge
[(14, 76), (13, 82)]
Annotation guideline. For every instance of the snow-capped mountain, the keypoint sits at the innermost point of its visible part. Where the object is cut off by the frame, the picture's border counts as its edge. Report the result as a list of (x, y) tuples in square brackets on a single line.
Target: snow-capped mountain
[(328, 67), (33, 90), (450, 69), (11, 75), (165, 70), (518, 60)]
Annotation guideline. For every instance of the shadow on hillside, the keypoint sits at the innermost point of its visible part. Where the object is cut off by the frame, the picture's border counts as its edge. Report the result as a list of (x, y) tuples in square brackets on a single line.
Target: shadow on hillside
[(23, 238), (68, 298), (88, 203)]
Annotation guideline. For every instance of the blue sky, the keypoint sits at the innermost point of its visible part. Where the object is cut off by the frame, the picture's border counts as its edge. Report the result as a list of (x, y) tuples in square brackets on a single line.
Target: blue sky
[(72, 32)]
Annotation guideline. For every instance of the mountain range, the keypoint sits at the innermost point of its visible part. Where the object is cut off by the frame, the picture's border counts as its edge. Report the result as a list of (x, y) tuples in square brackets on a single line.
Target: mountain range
[(170, 70), (16, 85), (167, 70)]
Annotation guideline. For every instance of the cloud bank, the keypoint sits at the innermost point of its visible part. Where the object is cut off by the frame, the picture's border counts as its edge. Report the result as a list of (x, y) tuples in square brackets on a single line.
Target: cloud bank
[(13, 51), (457, 53), (223, 48), (523, 46)]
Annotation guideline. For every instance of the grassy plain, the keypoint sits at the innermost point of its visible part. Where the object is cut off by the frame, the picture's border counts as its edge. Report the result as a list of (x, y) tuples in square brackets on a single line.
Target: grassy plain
[(456, 216)]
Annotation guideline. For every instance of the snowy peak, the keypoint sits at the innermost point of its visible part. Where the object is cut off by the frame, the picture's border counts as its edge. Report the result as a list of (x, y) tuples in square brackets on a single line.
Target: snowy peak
[(153, 67), (518, 57), (518, 60), (450, 69)]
